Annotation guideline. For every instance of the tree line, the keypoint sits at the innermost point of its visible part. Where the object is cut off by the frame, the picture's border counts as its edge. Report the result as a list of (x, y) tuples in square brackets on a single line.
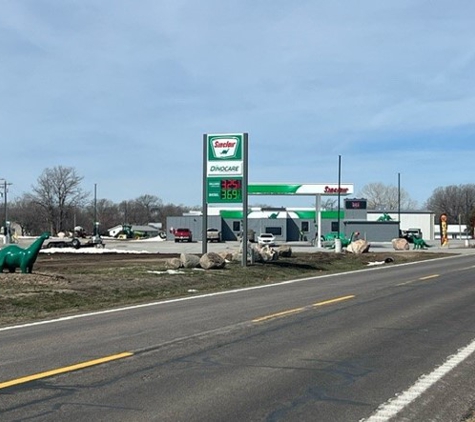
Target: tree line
[(456, 201), (57, 203)]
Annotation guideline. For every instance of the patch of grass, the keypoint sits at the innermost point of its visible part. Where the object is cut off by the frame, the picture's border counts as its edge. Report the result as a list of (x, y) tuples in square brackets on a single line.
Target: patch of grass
[(70, 288)]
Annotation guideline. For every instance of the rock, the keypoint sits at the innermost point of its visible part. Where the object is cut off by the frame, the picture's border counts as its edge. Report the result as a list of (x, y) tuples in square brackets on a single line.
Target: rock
[(268, 254), (400, 244), (227, 255), (237, 256), (253, 254), (212, 260), (358, 247), (284, 251), (173, 263), (189, 260)]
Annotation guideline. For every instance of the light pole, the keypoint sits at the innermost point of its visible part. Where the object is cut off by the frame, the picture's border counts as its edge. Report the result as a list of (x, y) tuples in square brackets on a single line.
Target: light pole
[(399, 199), (96, 224), (338, 238), (339, 193)]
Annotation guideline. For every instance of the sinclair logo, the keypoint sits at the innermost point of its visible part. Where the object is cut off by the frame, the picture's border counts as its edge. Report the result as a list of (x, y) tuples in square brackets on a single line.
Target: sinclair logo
[(225, 148)]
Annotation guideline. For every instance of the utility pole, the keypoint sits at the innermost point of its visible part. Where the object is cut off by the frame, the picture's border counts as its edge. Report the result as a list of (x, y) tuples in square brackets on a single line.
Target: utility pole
[(6, 224), (95, 230), (399, 198)]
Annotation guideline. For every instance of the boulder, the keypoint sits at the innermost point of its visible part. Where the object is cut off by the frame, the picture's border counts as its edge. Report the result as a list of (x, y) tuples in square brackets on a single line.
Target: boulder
[(173, 263), (237, 256), (267, 253), (212, 260), (189, 260), (284, 251), (253, 253), (227, 255), (358, 247), (400, 244)]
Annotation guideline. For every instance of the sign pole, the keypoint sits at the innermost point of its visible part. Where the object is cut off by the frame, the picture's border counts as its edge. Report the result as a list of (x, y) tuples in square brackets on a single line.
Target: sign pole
[(204, 225), (244, 202)]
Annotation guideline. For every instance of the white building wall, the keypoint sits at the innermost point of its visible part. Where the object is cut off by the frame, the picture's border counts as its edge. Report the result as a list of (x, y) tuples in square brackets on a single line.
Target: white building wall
[(454, 231), (417, 220)]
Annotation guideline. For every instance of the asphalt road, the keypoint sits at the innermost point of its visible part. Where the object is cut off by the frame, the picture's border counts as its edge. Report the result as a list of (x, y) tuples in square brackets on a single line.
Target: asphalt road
[(334, 348)]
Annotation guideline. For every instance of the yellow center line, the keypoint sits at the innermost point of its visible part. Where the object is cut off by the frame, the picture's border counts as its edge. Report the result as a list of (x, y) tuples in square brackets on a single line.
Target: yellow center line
[(338, 299), (297, 310), (64, 369), (278, 314)]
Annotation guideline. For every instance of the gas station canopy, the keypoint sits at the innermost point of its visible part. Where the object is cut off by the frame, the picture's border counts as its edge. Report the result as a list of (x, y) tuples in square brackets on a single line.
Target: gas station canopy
[(300, 189)]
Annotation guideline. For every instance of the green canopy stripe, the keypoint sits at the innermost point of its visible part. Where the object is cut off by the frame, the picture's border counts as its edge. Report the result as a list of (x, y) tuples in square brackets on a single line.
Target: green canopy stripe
[(272, 189)]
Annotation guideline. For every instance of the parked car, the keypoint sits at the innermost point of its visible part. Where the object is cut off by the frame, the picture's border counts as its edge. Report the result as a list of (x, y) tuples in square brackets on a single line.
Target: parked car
[(410, 233), (182, 235), (266, 239), (213, 235)]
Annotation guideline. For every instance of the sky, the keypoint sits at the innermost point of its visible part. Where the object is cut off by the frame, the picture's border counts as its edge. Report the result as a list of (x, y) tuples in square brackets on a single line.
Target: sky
[(123, 91)]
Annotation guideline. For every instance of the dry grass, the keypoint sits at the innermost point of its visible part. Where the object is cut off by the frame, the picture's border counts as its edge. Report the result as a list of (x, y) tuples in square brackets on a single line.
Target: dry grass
[(64, 284)]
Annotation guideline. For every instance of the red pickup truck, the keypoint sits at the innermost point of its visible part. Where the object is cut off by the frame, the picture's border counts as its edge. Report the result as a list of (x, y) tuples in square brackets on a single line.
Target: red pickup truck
[(182, 235)]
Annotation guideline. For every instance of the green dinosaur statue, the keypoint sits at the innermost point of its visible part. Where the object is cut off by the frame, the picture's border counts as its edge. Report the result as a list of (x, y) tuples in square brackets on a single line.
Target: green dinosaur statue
[(344, 241), (419, 243), (13, 256), (385, 217)]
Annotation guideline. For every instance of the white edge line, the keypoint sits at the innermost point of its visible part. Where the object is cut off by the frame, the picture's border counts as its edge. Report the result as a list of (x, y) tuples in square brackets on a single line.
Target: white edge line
[(182, 299), (393, 406)]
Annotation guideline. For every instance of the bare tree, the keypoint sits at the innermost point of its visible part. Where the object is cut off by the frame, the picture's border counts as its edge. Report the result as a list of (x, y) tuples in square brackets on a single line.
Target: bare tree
[(57, 191), (384, 197), (28, 215), (148, 206), (169, 210), (457, 201), (108, 215), (142, 210), (329, 204)]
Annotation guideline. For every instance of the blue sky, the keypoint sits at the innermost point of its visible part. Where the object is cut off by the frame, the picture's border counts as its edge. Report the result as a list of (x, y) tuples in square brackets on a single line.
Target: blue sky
[(123, 90)]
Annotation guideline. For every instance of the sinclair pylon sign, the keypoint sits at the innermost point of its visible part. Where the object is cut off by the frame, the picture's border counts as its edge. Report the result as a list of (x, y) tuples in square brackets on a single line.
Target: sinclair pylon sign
[(225, 167)]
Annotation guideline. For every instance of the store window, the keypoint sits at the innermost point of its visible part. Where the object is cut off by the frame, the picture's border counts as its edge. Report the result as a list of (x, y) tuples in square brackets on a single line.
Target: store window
[(305, 226), (276, 231), (236, 226)]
